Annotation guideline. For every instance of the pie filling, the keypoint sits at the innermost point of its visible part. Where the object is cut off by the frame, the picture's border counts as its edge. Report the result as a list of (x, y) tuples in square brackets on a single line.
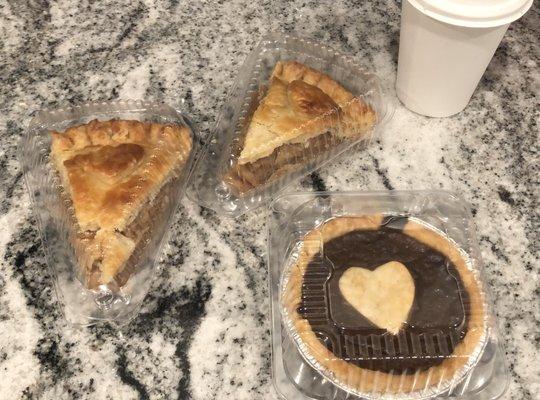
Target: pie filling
[(284, 159), (140, 232), (436, 323)]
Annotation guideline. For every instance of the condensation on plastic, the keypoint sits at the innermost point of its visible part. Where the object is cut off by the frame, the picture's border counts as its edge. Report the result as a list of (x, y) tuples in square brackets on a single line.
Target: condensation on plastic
[(297, 373), (208, 186), (80, 303)]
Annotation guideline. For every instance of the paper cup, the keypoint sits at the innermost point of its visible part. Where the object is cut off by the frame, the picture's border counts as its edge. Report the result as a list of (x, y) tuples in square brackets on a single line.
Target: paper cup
[(442, 60)]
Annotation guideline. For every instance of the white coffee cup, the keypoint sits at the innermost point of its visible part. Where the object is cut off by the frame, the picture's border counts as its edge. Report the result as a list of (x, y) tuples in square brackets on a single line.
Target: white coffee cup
[(445, 47)]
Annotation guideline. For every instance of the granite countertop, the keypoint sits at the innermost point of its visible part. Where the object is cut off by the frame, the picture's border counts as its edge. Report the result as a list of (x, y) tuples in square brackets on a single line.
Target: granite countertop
[(203, 332)]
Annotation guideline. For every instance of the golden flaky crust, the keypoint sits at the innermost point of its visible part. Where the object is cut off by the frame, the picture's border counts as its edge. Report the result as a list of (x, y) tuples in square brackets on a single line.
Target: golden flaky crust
[(111, 169), (302, 103), (365, 380), (357, 117)]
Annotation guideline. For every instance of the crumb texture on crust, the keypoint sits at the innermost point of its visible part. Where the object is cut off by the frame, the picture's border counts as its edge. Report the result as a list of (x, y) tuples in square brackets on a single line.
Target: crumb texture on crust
[(302, 103), (110, 170), (369, 381)]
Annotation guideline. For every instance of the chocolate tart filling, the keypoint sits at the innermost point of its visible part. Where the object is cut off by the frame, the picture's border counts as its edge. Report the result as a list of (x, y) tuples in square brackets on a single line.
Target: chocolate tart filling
[(438, 318)]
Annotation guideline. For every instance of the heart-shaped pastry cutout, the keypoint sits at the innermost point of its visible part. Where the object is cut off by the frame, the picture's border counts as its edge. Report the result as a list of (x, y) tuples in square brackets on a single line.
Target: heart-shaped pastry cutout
[(384, 296)]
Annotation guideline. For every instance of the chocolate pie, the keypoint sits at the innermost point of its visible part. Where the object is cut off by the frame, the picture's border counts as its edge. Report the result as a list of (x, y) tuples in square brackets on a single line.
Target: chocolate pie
[(303, 114), (384, 305), (115, 174)]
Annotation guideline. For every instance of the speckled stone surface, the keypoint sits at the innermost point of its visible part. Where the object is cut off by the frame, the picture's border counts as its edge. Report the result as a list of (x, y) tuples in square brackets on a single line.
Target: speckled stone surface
[(203, 332)]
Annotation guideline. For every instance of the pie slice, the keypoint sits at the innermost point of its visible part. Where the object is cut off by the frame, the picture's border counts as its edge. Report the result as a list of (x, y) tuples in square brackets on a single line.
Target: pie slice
[(116, 174), (303, 114)]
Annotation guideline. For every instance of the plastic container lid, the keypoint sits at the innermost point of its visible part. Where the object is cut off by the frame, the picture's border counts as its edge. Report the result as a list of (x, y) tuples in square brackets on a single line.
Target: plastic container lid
[(474, 13), (232, 180), (342, 330), (86, 297)]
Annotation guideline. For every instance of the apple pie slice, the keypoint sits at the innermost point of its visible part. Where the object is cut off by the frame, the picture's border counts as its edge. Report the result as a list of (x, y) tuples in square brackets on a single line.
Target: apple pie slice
[(116, 174), (303, 114)]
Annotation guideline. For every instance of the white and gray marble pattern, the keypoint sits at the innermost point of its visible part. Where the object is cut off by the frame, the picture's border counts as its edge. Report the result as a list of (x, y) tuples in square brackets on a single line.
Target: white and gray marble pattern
[(204, 332)]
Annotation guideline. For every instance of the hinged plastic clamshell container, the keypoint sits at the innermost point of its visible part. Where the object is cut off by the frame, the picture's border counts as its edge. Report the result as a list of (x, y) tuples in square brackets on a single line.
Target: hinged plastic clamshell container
[(380, 296), (125, 163), (295, 105)]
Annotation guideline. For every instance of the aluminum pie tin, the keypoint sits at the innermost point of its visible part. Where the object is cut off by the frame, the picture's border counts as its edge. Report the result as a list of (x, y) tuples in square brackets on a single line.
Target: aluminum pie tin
[(431, 391)]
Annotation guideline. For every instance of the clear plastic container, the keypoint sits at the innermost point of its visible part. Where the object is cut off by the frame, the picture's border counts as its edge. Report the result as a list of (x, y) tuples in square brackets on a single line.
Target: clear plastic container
[(380, 295), (84, 299), (295, 105)]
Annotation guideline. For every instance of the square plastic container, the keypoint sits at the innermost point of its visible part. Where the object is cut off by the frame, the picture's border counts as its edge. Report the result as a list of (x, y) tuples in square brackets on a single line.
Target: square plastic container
[(329, 342), (57, 225), (223, 179)]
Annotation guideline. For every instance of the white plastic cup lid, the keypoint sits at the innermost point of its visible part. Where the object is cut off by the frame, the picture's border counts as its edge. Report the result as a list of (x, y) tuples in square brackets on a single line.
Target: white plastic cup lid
[(474, 13)]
